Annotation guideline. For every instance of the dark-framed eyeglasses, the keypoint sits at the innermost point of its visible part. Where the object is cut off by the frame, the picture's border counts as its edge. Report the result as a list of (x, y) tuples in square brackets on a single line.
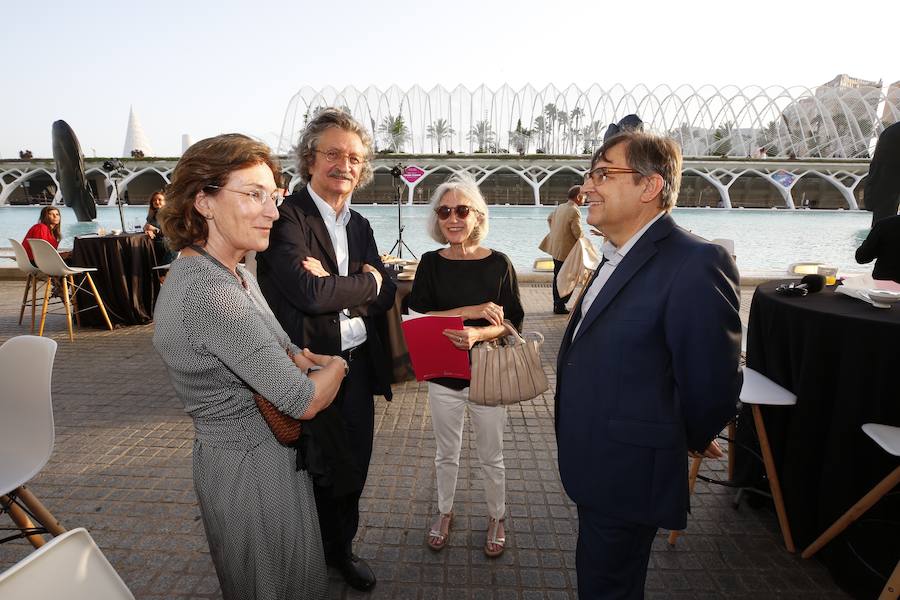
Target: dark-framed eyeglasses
[(333, 156), (258, 196), (601, 174), (462, 211)]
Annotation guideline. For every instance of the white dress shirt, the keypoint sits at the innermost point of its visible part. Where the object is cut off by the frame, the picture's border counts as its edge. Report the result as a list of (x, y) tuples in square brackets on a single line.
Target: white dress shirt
[(353, 330), (612, 256)]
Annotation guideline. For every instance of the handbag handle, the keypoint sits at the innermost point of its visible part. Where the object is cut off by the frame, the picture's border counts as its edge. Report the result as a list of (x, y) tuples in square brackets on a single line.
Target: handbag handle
[(511, 331)]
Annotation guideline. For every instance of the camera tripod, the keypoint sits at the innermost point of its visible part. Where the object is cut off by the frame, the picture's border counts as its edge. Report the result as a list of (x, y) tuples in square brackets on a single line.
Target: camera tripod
[(399, 245)]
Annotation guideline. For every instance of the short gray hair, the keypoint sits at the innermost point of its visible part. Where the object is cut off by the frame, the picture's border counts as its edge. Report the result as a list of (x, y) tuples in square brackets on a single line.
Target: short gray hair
[(464, 185), (325, 119)]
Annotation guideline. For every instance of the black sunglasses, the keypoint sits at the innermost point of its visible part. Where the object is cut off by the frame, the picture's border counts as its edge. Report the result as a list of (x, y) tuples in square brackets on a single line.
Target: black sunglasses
[(462, 211)]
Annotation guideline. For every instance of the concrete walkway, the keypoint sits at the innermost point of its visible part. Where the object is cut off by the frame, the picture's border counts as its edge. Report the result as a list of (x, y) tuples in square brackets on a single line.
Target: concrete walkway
[(122, 469)]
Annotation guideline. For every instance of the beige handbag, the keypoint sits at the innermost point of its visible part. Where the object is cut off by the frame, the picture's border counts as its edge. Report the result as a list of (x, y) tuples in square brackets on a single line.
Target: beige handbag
[(507, 370)]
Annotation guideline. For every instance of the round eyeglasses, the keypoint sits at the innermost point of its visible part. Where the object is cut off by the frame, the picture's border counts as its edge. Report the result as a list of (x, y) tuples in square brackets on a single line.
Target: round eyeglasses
[(333, 156), (258, 196)]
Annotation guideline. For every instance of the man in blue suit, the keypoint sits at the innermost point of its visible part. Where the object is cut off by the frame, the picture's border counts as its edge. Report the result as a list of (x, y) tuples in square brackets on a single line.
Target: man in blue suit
[(648, 366)]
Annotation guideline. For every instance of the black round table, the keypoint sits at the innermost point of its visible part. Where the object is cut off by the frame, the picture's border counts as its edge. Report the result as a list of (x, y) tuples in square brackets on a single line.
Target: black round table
[(125, 277), (839, 356)]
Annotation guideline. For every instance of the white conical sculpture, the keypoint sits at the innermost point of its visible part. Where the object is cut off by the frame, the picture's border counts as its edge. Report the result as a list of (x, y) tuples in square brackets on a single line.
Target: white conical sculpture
[(135, 139), (186, 142)]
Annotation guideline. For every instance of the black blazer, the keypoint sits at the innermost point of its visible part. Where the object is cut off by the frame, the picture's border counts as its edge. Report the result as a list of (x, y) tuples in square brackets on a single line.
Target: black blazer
[(652, 372), (307, 306), (883, 244)]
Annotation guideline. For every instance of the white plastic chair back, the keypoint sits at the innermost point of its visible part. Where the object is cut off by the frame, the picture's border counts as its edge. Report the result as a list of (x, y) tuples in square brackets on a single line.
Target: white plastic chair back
[(759, 389), (22, 260), (886, 436), (48, 259), (726, 243), (26, 411), (70, 566)]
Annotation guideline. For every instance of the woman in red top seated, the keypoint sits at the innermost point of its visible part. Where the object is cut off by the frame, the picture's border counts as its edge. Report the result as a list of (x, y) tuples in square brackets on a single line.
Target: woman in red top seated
[(47, 228)]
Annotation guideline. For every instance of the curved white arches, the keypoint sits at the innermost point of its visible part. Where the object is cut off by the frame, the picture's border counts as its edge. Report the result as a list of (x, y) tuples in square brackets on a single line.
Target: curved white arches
[(825, 122), (845, 176), (24, 175)]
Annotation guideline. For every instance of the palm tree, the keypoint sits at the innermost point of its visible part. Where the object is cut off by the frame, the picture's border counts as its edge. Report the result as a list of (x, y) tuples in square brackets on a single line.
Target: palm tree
[(482, 134), (439, 130), (575, 123), (520, 138), (562, 123), (591, 136), (394, 132), (540, 126), (551, 111)]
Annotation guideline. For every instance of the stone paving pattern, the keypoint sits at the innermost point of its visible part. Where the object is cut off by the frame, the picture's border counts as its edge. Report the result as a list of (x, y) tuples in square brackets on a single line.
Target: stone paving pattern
[(122, 468)]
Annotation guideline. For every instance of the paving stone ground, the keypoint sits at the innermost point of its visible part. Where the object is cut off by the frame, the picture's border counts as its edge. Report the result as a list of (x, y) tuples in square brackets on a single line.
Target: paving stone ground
[(122, 468)]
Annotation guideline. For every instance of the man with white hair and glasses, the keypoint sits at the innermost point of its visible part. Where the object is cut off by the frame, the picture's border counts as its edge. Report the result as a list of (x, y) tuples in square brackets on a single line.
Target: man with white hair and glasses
[(325, 282)]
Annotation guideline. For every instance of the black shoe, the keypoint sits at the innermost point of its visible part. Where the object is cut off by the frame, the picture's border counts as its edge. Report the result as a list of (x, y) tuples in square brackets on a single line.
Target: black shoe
[(560, 310), (356, 572)]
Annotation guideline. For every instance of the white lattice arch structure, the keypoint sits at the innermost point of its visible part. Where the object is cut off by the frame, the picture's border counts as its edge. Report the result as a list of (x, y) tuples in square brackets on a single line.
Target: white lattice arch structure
[(824, 122), (23, 175), (536, 170)]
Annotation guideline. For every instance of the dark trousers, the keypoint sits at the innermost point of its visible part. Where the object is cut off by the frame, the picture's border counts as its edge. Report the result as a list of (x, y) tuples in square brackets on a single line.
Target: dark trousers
[(558, 302), (611, 557), (339, 517)]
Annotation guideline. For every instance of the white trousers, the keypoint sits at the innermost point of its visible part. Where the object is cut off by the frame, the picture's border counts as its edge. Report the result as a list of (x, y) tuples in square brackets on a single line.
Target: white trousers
[(448, 412)]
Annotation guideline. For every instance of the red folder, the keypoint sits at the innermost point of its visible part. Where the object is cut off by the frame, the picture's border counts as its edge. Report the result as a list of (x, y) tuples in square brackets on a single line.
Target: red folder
[(431, 352)]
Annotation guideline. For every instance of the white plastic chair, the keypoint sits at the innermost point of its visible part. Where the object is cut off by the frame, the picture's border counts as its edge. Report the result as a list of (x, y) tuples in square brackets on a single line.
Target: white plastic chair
[(726, 243), (32, 275), (70, 566), (26, 431), (757, 390), (51, 263), (888, 437)]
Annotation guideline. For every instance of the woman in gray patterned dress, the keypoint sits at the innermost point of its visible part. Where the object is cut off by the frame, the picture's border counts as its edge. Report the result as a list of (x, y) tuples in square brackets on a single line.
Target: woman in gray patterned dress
[(221, 344)]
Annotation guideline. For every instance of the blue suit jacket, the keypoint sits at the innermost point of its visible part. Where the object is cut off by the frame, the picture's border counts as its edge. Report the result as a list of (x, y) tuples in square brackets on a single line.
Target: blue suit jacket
[(652, 372)]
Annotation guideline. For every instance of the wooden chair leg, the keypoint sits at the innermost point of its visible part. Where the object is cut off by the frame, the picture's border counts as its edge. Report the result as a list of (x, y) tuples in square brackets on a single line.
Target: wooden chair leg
[(99, 301), (33, 301), (39, 511), (75, 301), (25, 299), (65, 294), (46, 302), (772, 474), (20, 518), (692, 480), (854, 512), (892, 588)]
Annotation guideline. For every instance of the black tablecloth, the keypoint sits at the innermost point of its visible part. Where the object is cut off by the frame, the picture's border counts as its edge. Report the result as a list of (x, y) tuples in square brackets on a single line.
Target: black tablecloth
[(124, 278), (840, 357)]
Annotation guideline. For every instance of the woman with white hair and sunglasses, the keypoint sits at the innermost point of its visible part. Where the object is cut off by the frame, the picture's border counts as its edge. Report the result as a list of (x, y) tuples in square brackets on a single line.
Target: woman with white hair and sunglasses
[(479, 284)]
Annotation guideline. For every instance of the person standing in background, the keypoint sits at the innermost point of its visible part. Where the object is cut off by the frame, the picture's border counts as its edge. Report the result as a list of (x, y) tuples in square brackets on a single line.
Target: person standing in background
[(883, 245), (565, 230)]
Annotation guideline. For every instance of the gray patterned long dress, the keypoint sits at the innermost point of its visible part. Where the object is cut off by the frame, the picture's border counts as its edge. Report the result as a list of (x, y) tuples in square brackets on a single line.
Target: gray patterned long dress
[(221, 342)]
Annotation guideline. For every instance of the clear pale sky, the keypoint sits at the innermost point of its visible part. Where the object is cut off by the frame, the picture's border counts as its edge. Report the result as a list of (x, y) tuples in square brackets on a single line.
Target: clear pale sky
[(203, 68)]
